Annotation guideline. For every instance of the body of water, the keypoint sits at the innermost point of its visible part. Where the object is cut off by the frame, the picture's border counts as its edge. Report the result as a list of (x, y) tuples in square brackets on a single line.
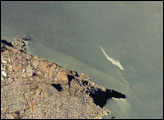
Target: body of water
[(72, 34)]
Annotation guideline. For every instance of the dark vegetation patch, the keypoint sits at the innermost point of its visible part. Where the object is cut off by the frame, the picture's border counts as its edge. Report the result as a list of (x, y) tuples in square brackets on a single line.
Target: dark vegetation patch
[(100, 97), (70, 77), (3, 48), (3, 43), (85, 83), (6, 43), (57, 86)]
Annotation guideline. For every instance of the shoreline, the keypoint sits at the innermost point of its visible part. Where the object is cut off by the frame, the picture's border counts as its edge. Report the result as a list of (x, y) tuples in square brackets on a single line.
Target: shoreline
[(41, 80)]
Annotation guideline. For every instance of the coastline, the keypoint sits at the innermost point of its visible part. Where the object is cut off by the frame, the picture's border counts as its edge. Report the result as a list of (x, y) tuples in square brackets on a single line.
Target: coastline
[(39, 82)]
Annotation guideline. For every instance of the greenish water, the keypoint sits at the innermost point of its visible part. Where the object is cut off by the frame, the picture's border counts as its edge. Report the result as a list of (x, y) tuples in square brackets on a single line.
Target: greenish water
[(71, 33)]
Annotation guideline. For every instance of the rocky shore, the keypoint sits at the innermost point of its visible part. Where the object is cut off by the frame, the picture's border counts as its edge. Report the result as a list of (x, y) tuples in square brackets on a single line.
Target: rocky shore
[(34, 88)]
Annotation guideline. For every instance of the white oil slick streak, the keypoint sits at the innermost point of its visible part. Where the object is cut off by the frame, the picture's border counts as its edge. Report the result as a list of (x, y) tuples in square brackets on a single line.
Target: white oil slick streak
[(131, 68), (114, 62), (124, 105)]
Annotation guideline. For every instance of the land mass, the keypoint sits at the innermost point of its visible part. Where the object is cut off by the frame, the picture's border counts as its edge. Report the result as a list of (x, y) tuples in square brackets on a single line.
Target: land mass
[(34, 88)]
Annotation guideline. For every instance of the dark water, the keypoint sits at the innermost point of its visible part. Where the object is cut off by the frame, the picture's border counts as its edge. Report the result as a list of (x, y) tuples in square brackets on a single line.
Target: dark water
[(71, 34)]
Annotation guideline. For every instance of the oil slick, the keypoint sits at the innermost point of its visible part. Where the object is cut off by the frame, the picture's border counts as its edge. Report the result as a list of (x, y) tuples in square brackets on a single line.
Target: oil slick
[(131, 68), (113, 61), (124, 106)]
